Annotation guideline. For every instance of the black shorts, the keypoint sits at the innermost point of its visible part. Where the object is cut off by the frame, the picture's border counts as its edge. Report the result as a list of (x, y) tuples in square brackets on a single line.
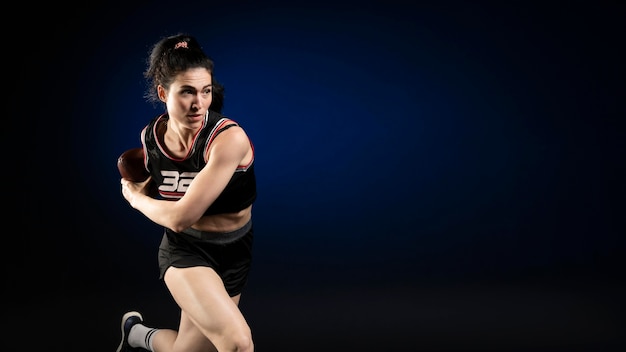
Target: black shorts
[(229, 254)]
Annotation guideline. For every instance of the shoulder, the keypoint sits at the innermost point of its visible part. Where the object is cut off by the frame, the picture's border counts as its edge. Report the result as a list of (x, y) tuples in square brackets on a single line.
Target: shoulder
[(231, 131), (151, 131), (230, 139)]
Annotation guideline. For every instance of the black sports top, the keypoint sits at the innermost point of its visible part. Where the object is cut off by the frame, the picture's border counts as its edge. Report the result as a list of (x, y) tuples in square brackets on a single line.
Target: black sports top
[(172, 176)]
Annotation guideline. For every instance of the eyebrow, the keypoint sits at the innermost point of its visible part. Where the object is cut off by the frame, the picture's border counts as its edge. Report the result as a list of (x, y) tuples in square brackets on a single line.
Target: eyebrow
[(186, 86)]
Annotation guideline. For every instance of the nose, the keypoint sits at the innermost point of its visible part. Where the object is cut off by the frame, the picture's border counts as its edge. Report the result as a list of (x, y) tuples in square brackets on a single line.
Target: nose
[(196, 103)]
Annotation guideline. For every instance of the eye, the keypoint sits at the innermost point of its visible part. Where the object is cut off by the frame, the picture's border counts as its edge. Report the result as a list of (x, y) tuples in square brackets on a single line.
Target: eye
[(206, 91), (187, 91)]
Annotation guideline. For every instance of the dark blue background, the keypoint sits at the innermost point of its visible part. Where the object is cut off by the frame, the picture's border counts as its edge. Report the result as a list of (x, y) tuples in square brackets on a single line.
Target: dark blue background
[(437, 175)]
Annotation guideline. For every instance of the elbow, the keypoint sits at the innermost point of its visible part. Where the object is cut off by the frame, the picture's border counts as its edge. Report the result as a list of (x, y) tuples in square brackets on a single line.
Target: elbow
[(181, 218), (181, 224), (178, 228)]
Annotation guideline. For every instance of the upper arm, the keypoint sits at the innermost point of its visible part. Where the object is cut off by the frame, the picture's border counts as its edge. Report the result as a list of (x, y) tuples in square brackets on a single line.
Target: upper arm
[(225, 154)]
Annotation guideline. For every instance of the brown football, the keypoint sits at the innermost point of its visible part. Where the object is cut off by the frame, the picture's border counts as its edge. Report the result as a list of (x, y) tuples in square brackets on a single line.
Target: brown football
[(131, 166)]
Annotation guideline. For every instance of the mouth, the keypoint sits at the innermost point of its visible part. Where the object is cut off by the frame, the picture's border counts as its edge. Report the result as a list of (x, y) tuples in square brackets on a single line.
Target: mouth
[(195, 118)]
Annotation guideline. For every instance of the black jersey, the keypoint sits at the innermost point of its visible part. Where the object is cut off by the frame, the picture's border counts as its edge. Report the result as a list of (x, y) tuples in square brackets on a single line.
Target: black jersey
[(172, 176)]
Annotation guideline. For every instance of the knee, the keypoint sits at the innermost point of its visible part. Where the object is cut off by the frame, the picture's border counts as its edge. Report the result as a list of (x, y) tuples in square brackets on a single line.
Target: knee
[(242, 341)]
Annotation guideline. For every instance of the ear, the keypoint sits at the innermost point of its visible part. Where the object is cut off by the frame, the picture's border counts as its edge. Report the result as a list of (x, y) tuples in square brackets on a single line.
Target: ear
[(162, 93)]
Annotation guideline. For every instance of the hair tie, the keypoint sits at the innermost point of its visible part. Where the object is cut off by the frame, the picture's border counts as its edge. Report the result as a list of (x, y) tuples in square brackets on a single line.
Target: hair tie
[(180, 45)]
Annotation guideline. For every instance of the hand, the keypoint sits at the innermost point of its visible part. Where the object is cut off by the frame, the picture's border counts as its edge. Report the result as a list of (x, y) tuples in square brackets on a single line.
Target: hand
[(133, 190)]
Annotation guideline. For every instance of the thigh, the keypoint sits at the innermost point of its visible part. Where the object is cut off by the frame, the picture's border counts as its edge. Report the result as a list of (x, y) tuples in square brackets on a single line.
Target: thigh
[(200, 293), (190, 338)]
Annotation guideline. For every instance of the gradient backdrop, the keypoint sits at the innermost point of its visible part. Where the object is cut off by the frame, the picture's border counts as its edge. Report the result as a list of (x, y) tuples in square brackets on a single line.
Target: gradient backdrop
[(432, 176)]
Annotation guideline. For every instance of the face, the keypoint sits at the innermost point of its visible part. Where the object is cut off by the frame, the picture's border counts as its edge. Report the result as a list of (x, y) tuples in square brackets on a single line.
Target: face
[(188, 97)]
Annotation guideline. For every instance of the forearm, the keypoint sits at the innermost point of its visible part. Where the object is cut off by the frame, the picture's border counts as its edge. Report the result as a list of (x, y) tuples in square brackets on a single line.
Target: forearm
[(163, 212)]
